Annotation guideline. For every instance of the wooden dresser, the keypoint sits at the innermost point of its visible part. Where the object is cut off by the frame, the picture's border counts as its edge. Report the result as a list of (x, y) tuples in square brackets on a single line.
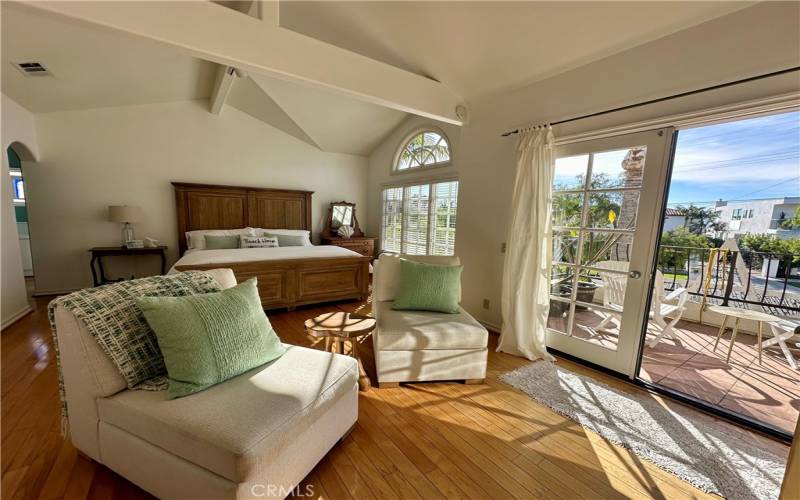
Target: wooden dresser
[(364, 245)]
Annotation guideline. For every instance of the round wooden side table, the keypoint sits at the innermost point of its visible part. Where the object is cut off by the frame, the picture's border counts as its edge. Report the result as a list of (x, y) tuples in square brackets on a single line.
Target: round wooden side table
[(340, 327)]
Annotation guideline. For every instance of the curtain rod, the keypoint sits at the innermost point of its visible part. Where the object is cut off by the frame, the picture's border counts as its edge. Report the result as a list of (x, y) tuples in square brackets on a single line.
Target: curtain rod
[(667, 98)]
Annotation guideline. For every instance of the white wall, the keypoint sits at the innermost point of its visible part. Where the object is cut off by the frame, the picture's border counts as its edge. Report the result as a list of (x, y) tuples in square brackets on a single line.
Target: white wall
[(673, 222), (129, 155), (754, 41), (17, 126)]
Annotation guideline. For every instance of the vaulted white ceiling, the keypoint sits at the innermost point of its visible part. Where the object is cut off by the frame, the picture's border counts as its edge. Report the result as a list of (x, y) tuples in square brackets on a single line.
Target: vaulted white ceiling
[(92, 68), (478, 48), (473, 48)]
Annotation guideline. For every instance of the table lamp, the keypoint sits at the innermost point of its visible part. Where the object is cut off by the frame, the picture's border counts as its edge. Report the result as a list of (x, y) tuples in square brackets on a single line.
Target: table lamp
[(127, 215)]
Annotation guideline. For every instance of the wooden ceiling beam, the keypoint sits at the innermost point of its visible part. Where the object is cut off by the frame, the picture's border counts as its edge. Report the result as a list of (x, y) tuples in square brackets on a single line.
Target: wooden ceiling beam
[(212, 32)]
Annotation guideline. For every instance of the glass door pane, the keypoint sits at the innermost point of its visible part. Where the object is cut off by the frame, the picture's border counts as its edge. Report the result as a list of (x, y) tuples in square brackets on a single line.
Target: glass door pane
[(601, 190)]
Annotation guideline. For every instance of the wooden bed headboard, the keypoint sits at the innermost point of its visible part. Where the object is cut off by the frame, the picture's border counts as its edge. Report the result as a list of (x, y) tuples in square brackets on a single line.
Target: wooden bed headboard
[(208, 206)]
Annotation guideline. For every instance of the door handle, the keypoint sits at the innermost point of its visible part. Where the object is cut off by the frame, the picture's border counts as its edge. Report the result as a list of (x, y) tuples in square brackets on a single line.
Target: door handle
[(635, 274)]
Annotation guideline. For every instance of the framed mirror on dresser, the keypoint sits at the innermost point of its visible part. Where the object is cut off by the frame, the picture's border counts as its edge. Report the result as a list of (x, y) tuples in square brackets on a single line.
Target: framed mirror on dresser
[(342, 229)]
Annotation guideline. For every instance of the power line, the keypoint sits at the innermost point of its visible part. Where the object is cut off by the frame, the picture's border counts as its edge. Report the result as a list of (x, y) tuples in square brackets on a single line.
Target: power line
[(742, 196), (780, 155), (771, 186)]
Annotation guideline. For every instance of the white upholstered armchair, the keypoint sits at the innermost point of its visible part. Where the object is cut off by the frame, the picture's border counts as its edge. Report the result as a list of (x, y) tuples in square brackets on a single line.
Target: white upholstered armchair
[(421, 345), (256, 435)]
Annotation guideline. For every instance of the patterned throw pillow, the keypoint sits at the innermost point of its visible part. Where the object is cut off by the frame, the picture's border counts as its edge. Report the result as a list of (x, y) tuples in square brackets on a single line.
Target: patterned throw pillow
[(111, 316), (258, 242)]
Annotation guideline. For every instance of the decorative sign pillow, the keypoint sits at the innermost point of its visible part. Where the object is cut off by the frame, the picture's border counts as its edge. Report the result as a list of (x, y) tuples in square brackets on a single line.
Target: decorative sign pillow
[(259, 241), (212, 337)]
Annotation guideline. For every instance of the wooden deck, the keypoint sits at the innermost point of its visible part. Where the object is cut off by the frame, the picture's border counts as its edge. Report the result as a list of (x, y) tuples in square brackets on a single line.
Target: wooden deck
[(442, 440)]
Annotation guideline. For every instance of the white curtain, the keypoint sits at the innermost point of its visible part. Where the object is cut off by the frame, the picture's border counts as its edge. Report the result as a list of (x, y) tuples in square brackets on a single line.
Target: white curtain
[(529, 249)]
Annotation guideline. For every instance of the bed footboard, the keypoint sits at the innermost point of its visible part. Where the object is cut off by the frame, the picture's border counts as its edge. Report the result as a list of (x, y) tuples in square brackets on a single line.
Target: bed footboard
[(290, 283)]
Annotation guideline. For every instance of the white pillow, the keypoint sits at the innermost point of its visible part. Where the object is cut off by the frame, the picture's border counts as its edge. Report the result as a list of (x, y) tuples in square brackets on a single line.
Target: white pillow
[(300, 232), (386, 277), (258, 241), (196, 240)]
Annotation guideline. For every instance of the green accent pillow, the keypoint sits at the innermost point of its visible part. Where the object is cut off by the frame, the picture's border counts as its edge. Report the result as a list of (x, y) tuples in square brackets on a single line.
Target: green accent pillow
[(221, 242), (208, 338), (288, 240), (428, 287)]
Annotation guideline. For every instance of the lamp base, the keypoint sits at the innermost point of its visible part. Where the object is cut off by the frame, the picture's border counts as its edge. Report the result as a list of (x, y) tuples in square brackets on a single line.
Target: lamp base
[(128, 234)]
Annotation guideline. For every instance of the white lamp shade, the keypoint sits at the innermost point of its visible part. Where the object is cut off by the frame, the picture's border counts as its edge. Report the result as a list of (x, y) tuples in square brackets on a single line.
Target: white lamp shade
[(124, 213)]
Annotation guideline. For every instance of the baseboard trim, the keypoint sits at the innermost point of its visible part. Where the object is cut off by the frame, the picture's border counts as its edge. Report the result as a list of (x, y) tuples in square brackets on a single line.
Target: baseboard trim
[(16, 317), (490, 326), (47, 293)]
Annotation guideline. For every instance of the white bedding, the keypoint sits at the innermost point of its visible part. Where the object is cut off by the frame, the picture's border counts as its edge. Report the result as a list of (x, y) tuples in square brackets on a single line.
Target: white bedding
[(199, 257)]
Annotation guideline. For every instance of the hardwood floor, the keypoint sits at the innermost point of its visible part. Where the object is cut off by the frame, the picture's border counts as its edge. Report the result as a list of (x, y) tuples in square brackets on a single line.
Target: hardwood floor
[(417, 441)]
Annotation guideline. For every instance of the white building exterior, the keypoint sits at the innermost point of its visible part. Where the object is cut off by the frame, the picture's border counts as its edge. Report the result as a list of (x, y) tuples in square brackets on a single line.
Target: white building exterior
[(755, 216), (673, 218)]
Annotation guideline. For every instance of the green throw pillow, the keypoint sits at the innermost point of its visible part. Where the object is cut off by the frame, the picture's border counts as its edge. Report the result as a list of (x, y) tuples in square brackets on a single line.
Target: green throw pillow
[(288, 240), (221, 242), (428, 287), (208, 338)]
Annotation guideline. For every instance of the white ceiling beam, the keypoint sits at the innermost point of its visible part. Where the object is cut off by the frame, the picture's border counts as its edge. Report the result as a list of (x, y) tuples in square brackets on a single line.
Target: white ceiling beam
[(222, 87), (266, 10), (215, 33)]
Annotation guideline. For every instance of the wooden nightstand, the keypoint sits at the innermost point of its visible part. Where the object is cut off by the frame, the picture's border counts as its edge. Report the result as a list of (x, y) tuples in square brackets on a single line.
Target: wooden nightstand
[(364, 245), (97, 253)]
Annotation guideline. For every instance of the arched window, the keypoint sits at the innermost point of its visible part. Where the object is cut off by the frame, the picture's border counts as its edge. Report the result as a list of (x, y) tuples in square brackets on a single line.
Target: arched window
[(425, 148)]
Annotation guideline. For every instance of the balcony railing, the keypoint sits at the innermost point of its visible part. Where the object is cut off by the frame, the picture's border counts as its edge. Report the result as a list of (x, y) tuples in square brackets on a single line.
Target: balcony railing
[(736, 277)]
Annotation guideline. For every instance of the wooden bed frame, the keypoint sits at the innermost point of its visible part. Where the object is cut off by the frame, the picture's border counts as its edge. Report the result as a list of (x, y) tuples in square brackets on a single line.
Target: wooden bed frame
[(281, 283)]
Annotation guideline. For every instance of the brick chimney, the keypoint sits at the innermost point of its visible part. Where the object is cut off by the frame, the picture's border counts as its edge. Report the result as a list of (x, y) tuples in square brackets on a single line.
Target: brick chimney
[(633, 165)]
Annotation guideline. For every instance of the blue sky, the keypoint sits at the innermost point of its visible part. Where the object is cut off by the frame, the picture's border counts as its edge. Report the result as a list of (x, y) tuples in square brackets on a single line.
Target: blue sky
[(745, 159)]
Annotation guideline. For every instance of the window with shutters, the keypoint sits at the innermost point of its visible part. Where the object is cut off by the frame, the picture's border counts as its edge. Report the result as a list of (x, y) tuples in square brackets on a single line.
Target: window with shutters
[(420, 218)]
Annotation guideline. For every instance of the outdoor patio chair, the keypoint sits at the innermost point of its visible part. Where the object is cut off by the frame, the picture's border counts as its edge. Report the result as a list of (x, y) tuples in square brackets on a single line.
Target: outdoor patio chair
[(782, 331), (662, 306)]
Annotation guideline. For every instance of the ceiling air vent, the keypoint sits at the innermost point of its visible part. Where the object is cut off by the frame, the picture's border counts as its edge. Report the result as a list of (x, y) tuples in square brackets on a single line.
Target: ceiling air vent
[(32, 68)]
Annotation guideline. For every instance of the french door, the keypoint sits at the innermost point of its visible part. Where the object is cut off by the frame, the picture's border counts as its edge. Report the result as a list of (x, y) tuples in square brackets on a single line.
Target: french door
[(607, 194)]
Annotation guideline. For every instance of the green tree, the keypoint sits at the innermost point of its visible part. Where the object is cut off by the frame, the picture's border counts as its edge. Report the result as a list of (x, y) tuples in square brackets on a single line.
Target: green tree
[(604, 206), (675, 258), (700, 220), (769, 243), (794, 222)]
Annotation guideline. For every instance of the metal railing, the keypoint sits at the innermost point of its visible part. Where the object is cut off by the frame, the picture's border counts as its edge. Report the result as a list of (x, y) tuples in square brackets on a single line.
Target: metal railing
[(759, 278)]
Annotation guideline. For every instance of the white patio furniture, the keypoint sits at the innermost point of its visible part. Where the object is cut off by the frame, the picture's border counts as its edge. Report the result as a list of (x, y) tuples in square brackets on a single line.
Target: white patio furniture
[(662, 307), (781, 332), (739, 314)]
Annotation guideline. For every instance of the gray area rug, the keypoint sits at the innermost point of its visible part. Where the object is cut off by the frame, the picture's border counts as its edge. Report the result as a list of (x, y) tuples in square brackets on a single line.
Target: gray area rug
[(712, 455)]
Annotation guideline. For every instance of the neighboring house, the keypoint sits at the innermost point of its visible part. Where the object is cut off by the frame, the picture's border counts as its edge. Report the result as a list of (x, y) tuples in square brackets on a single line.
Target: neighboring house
[(755, 216), (673, 218)]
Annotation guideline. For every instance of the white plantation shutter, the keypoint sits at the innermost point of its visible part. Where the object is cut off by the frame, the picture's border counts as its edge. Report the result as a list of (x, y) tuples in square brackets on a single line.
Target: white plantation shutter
[(416, 210), (420, 219), (392, 221), (443, 214)]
